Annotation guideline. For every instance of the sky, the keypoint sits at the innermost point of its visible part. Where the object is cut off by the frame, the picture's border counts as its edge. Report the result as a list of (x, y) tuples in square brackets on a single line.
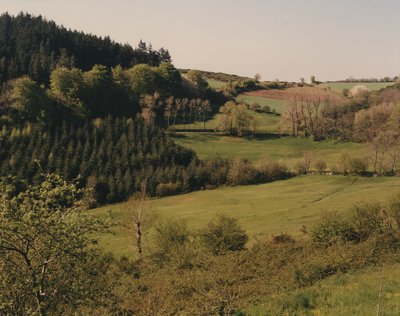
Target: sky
[(279, 39)]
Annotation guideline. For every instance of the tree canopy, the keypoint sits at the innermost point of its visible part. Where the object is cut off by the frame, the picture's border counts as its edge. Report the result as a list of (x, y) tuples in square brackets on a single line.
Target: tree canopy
[(47, 259), (33, 46)]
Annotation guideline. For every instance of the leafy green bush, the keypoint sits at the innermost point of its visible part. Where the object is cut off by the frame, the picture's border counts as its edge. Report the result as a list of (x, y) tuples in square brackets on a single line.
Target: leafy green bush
[(223, 234), (169, 236), (332, 228), (357, 225), (366, 220)]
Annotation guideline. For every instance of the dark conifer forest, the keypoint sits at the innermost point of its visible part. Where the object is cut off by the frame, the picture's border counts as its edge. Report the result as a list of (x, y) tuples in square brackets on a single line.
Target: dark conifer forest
[(31, 45)]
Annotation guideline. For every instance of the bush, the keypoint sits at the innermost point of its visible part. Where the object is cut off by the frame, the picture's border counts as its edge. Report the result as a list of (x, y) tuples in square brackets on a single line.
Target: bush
[(358, 166), (128, 266), (266, 109), (241, 171), (283, 239), (300, 168), (357, 225), (394, 211), (269, 171), (366, 220), (255, 107), (169, 236), (320, 166), (335, 169), (330, 229), (223, 234)]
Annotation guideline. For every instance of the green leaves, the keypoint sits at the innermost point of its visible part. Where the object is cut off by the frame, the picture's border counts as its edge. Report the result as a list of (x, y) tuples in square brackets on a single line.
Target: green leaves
[(44, 246)]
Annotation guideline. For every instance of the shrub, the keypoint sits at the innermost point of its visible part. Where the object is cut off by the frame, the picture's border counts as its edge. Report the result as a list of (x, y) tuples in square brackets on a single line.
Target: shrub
[(357, 225), (241, 171), (255, 107), (283, 239), (128, 266), (271, 170), (223, 234), (366, 220), (335, 169), (300, 168), (169, 236), (358, 166), (330, 229), (320, 166), (358, 90), (266, 109), (394, 211)]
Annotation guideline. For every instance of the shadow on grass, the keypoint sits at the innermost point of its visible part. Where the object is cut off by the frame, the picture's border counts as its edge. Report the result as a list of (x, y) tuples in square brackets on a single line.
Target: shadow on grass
[(192, 130), (263, 136), (181, 134)]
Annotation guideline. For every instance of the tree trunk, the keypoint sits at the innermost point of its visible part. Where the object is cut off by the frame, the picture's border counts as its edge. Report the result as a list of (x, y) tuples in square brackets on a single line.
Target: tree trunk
[(139, 238)]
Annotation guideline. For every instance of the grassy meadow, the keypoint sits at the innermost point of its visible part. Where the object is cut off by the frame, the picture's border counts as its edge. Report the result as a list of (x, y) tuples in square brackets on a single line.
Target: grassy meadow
[(340, 86), (288, 149), (278, 105), (262, 210), (265, 123), (355, 293), (216, 84)]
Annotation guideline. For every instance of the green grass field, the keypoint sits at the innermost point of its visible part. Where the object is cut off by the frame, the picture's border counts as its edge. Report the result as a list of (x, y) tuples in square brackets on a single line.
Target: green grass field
[(278, 105), (263, 210), (355, 293), (265, 123), (339, 86), (289, 149), (216, 84)]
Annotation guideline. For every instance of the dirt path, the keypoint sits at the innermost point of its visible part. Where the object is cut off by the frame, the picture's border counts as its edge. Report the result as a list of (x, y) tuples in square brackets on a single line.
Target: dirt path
[(332, 193)]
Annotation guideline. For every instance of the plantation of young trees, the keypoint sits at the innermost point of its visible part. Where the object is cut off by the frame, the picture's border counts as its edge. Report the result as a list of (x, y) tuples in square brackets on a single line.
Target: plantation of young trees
[(112, 156)]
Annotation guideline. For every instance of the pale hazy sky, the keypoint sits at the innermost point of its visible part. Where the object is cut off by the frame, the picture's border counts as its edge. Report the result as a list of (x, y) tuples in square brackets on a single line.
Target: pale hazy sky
[(285, 39)]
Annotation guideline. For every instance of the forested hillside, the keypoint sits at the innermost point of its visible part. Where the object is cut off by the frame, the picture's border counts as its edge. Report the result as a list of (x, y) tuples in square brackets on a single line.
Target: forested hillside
[(85, 107), (33, 46), (113, 157)]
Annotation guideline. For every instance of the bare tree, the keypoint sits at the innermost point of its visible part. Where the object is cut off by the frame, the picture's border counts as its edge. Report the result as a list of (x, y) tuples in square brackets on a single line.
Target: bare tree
[(177, 108), (140, 216), (184, 107), (169, 106), (394, 152), (205, 107), (344, 160), (306, 109), (308, 158)]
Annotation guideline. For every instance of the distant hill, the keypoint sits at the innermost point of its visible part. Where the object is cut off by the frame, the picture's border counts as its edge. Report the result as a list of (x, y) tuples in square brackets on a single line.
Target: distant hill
[(33, 46), (217, 76)]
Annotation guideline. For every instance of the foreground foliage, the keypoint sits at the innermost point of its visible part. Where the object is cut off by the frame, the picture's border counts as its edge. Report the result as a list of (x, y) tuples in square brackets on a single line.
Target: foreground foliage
[(47, 263), (193, 282)]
